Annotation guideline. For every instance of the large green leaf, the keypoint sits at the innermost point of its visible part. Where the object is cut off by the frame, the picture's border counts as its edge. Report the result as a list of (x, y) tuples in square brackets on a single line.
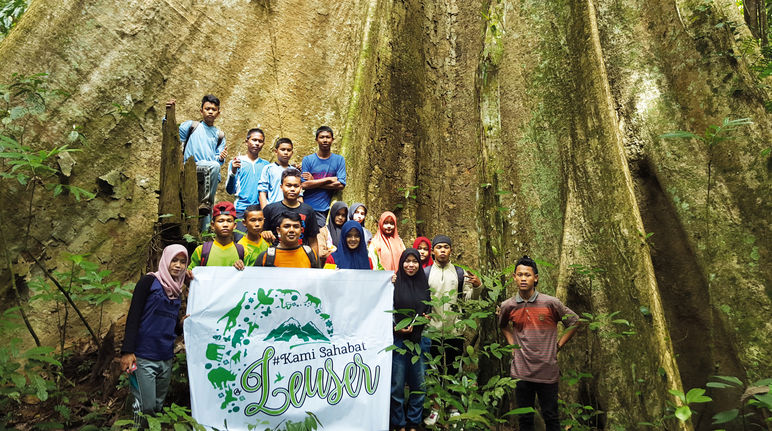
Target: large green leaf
[(683, 413), (725, 416)]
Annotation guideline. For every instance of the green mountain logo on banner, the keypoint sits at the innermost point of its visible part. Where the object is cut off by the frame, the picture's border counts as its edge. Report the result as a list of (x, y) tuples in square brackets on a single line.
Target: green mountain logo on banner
[(291, 328), (227, 353)]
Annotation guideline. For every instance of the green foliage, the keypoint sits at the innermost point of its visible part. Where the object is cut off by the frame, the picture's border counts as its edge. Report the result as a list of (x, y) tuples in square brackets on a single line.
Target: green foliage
[(714, 134), (23, 373), (754, 401), (479, 399), (174, 417), (10, 12), (695, 396), (607, 325)]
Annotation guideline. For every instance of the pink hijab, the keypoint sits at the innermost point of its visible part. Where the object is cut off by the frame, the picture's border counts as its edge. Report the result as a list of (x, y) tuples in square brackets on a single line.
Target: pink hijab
[(172, 286), (389, 248)]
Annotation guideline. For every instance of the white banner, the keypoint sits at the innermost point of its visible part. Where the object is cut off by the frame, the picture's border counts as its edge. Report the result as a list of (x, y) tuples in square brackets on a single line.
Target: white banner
[(266, 345)]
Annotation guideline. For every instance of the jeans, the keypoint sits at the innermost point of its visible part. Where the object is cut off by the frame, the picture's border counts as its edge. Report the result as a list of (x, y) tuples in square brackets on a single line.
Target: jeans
[(526, 392), (208, 173), (403, 370), (149, 385)]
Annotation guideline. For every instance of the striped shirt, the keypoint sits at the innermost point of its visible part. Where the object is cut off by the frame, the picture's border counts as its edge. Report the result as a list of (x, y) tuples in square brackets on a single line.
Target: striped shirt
[(534, 323)]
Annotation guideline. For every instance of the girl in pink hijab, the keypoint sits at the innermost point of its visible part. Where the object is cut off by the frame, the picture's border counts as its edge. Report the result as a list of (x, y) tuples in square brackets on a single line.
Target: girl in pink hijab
[(152, 326), (386, 245)]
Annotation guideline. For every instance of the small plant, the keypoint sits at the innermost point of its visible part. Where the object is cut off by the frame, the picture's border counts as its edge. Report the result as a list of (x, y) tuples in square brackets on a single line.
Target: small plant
[(754, 401), (713, 135)]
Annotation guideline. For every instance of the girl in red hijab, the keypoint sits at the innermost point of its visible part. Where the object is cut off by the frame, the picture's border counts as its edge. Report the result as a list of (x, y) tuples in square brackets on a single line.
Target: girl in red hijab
[(424, 247), (387, 245)]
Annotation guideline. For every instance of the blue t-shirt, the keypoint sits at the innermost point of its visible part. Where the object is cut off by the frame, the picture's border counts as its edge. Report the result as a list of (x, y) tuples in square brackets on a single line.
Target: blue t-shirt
[(270, 182), (334, 166), (244, 182), (202, 144)]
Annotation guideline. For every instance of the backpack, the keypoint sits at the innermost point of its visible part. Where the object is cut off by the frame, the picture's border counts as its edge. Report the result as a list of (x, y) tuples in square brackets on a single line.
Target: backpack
[(459, 274), (207, 248), (270, 256), (193, 125)]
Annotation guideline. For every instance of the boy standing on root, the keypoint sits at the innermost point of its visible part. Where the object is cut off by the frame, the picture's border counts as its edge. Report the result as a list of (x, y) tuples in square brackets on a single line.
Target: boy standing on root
[(222, 251), (324, 173), (290, 186), (206, 144), (529, 320), (269, 186), (290, 253), (244, 173)]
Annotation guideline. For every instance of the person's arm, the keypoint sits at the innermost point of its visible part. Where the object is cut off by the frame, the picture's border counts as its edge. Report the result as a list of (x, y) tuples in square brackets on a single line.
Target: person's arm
[(509, 334), (133, 320), (333, 185), (233, 168), (183, 131), (222, 151), (263, 185), (314, 244), (340, 177), (567, 335), (311, 183)]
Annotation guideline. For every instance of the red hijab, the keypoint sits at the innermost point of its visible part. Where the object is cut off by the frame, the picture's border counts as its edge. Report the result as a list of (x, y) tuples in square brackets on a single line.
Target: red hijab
[(417, 242), (388, 248)]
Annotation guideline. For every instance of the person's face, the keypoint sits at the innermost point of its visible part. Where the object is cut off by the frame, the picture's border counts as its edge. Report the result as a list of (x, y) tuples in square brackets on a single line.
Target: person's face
[(209, 112), (178, 265), (253, 220), (525, 278), (359, 214), (442, 253), (291, 188), (410, 265), (388, 226), (222, 225), (353, 239), (340, 217), (324, 140), (423, 250), (284, 153), (289, 232), (255, 143)]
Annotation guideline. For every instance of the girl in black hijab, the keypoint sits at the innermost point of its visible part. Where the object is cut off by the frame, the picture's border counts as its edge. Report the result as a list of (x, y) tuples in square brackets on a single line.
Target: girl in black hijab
[(411, 292)]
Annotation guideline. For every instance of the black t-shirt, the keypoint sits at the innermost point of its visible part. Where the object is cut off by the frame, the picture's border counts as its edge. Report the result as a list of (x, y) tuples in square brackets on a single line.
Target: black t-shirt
[(272, 213)]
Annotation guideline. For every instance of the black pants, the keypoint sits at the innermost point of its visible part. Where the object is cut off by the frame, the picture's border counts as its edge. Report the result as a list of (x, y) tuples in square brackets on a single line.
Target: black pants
[(525, 394)]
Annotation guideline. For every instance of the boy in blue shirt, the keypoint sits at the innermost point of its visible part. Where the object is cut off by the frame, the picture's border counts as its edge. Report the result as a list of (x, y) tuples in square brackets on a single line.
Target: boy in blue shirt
[(324, 173), (244, 173), (206, 144), (269, 186)]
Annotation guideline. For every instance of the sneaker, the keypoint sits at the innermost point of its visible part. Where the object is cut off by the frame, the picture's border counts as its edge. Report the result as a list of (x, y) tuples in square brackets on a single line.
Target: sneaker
[(432, 418), (454, 412)]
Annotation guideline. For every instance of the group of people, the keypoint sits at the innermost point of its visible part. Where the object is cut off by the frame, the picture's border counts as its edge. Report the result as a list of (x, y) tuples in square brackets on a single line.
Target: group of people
[(283, 217)]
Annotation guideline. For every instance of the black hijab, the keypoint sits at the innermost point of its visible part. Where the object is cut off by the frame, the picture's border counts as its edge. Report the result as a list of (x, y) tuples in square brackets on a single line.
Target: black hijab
[(410, 293), (332, 227)]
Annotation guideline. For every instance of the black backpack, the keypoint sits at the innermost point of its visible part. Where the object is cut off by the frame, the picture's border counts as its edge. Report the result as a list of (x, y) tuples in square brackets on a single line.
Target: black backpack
[(459, 274), (270, 256), (207, 248)]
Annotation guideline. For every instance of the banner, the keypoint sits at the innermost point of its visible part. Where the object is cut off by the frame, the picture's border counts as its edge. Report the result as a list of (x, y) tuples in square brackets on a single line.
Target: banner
[(267, 345)]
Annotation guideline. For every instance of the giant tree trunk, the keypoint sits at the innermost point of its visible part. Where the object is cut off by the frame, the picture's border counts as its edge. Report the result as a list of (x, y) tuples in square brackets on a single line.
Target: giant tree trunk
[(527, 126)]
